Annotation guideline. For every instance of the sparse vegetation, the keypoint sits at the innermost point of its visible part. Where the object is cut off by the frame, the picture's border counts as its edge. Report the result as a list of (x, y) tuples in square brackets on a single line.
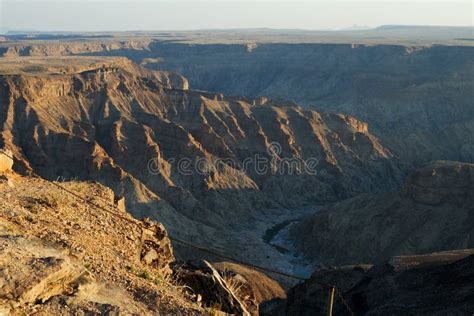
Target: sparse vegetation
[(132, 269), (232, 284), (50, 199), (157, 281), (145, 275), (79, 187)]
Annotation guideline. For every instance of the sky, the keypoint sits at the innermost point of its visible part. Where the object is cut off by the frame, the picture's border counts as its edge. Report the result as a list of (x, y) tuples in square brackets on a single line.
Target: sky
[(126, 15)]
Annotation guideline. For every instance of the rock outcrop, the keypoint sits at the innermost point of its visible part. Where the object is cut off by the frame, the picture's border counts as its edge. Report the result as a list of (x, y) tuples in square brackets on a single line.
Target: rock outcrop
[(31, 271), (235, 288), (433, 212), (156, 250), (441, 182), (253, 287)]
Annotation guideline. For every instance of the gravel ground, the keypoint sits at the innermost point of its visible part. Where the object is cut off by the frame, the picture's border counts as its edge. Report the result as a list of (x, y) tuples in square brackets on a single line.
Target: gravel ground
[(106, 245)]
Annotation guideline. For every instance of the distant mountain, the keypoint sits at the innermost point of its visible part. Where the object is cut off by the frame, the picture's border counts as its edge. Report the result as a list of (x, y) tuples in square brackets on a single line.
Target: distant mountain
[(422, 27), (356, 27)]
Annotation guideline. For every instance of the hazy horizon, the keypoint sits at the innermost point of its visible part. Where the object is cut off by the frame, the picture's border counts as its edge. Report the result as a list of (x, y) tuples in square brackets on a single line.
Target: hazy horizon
[(180, 15)]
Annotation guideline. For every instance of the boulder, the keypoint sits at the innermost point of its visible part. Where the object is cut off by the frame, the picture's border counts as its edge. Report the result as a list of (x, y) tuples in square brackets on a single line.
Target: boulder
[(156, 249), (31, 271)]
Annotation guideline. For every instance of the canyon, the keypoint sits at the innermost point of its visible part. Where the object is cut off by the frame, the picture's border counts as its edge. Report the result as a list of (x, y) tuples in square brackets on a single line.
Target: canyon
[(412, 86), (124, 126), (289, 150)]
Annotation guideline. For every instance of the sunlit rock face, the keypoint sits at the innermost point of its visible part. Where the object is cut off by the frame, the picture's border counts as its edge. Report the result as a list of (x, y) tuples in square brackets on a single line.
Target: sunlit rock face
[(6, 160)]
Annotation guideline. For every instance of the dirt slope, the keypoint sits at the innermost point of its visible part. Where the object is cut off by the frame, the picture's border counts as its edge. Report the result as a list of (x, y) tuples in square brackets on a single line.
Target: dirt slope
[(62, 256)]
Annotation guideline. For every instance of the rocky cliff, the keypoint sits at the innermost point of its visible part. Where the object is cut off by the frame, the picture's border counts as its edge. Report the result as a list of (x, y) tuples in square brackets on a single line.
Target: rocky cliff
[(190, 159), (44, 48), (418, 100), (433, 212)]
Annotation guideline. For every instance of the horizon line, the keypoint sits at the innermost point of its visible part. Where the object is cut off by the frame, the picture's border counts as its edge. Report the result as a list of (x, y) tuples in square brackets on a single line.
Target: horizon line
[(353, 28)]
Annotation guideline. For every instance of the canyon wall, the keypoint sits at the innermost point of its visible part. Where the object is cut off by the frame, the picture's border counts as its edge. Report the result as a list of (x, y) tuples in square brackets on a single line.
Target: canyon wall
[(416, 98)]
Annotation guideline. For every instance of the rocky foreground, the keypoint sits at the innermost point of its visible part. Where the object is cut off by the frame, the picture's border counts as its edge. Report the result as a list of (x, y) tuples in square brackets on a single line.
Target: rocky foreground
[(61, 255)]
